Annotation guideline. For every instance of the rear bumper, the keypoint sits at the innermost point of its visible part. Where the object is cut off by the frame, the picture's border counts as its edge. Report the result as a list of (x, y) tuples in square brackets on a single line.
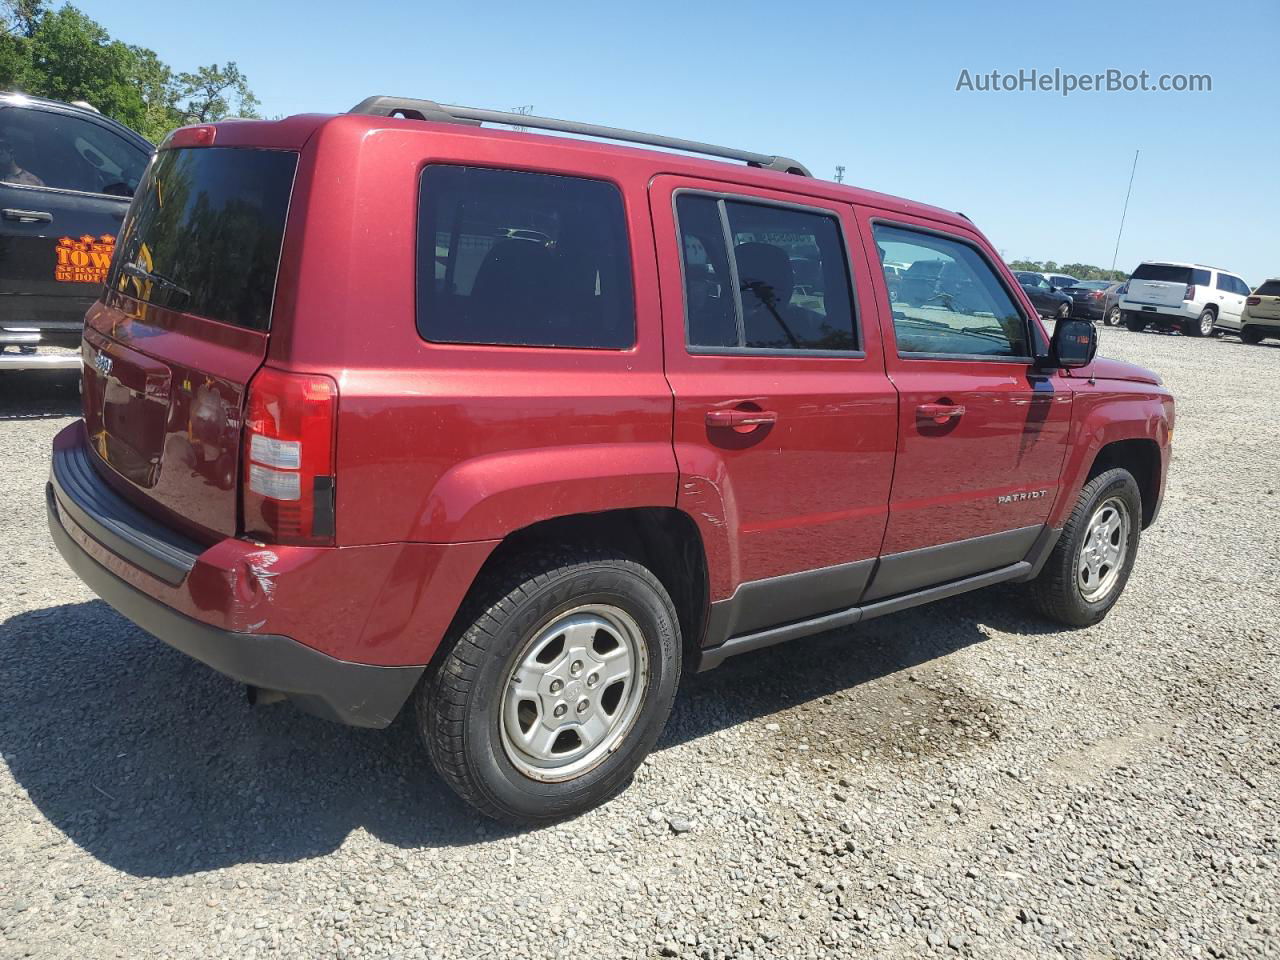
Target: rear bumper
[(1261, 323), (351, 693), (1160, 311), (344, 631)]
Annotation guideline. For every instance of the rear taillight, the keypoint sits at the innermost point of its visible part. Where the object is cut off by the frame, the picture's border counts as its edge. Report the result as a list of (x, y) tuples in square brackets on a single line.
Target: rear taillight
[(1253, 301), (1097, 294), (1190, 292), (289, 458)]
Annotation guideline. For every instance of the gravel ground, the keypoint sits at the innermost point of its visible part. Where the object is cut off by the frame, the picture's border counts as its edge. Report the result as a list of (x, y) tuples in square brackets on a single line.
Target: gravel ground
[(961, 779)]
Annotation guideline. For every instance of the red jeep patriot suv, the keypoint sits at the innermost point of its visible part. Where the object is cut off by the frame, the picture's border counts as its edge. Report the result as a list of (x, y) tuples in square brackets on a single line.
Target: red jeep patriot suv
[(390, 406)]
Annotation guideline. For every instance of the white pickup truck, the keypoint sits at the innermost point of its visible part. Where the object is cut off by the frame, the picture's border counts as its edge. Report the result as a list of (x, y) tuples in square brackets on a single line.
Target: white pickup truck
[(1190, 297)]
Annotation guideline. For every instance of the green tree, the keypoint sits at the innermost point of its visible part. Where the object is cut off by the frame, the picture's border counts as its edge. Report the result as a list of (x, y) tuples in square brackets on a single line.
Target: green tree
[(208, 93), (65, 55), (74, 58)]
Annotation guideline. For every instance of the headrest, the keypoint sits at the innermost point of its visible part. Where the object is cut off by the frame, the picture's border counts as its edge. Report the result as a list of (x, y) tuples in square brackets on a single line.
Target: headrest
[(765, 270)]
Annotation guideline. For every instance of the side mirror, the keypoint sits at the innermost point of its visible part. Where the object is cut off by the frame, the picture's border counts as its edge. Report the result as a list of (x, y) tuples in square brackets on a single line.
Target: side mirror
[(1073, 344)]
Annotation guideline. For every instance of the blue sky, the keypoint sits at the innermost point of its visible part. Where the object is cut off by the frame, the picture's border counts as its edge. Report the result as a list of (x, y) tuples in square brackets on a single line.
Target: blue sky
[(871, 87)]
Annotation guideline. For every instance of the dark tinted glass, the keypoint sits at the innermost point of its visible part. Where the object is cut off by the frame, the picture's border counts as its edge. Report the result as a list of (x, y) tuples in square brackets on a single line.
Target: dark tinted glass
[(1224, 283), (792, 278), (47, 149), (204, 232), (1269, 289), (957, 307), (1200, 277), (1163, 272), (711, 315), (522, 259)]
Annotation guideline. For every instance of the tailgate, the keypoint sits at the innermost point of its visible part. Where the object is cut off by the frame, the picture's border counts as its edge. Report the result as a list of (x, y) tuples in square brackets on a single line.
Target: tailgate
[(1156, 291), (182, 327), (1267, 308)]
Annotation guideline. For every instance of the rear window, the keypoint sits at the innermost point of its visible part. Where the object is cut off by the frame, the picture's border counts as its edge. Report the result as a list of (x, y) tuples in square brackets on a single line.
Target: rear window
[(204, 232), (1168, 273), (522, 259), (1269, 289)]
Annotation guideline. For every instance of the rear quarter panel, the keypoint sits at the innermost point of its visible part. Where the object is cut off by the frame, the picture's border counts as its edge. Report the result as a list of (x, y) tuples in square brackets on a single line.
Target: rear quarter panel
[(442, 442)]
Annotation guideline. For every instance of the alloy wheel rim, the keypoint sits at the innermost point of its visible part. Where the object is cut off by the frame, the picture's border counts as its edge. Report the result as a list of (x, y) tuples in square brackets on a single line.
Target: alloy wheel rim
[(574, 692), (1113, 318), (1102, 555), (1206, 324)]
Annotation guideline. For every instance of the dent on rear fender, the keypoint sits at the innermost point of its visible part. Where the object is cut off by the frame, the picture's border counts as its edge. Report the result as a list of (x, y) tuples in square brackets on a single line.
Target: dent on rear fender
[(706, 494)]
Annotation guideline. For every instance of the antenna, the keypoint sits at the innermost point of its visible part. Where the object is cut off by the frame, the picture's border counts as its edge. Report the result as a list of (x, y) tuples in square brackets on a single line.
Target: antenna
[(839, 173), (1124, 211)]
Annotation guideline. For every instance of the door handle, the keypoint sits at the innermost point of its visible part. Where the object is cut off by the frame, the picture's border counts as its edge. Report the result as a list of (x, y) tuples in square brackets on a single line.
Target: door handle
[(740, 418), (27, 216), (940, 413)]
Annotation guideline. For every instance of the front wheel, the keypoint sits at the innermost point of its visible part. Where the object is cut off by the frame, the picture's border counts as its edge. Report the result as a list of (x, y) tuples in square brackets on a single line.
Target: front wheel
[(1090, 564), (1063, 311), (558, 688)]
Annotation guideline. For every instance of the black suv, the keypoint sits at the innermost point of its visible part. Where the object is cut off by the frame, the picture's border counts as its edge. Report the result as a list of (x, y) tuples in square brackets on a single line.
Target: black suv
[(67, 174)]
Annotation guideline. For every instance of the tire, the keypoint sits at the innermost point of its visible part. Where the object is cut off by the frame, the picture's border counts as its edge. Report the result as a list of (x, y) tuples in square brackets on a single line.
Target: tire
[(1062, 312), (469, 711), (1061, 591), (1250, 335), (1134, 323), (1202, 326), (1112, 318)]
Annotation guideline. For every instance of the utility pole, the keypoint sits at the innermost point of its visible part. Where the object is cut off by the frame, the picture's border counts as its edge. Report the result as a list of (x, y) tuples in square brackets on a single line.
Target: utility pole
[(839, 173), (1124, 211), (524, 111)]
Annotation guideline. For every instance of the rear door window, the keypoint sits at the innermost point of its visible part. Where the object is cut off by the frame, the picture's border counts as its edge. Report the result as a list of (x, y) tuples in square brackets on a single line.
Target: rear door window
[(203, 235), (522, 259), (765, 277)]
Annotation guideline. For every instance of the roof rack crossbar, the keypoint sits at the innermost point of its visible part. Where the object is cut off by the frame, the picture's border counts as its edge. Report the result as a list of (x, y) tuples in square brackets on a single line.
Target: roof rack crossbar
[(447, 113)]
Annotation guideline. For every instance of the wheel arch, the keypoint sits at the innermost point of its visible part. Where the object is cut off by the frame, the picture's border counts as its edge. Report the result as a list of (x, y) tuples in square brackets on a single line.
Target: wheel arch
[(1140, 456), (663, 539)]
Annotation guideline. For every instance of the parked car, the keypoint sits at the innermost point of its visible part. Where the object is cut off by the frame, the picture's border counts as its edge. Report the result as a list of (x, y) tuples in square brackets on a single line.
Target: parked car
[(1183, 296), (524, 485), (1049, 301), (1096, 300), (1260, 317), (67, 174), (1061, 280)]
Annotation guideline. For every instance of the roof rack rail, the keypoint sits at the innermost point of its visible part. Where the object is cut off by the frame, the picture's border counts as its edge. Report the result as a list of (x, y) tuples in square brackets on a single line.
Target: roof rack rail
[(446, 113)]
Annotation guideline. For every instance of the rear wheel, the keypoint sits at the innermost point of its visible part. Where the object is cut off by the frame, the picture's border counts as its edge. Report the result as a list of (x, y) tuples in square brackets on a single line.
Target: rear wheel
[(1134, 323), (1202, 326), (557, 689), (1250, 335), (1113, 317), (1090, 564)]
